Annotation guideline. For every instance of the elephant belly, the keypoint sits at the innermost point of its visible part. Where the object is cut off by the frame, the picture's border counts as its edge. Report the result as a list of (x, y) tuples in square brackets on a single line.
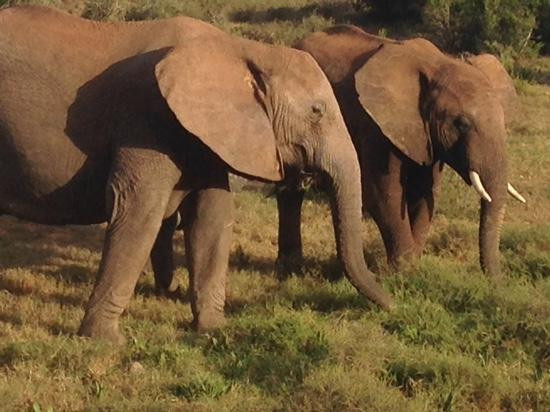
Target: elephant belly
[(49, 184)]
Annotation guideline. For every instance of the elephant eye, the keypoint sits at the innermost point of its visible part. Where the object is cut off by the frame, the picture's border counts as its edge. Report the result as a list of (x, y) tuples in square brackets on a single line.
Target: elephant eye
[(462, 124), (318, 110)]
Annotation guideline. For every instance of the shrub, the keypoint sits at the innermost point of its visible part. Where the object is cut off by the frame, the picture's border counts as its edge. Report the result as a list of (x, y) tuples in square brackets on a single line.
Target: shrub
[(543, 25), (502, 27), (511, 29), (392, 10), (8, 3), (482, 25)]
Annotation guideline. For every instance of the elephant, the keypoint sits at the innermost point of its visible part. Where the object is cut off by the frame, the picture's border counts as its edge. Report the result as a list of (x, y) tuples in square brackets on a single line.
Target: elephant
[(410, 109), (124, 122)]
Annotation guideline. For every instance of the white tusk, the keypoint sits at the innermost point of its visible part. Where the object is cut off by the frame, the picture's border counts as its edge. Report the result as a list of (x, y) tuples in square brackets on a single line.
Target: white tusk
[(478, 186), (515, 194)]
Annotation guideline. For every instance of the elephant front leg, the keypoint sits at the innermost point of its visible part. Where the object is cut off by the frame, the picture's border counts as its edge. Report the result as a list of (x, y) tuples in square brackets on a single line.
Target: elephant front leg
[(384, 195), (136, 198), (208, 232), (393, 222), (289, 204), (135, 221), (162, 259), (422, 189)]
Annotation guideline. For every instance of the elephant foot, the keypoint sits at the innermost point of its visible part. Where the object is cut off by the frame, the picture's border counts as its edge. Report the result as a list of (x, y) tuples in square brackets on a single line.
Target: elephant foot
[(208, 320), (287, 266), (404, 260), (172, 292), (102, 330)]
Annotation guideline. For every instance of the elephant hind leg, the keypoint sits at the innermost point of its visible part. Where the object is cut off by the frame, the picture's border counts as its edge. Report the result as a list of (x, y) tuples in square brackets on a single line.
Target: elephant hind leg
[(289, 203), (162, 259)]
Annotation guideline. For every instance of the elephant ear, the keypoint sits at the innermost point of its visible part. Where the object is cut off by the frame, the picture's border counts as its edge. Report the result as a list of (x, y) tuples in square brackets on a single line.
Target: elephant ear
[(499, 79), (215, 93), (390, 86)]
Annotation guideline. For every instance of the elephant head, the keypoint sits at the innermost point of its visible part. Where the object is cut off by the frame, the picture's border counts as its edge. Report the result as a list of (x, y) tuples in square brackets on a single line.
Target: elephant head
[(434, 107), (265, 110)]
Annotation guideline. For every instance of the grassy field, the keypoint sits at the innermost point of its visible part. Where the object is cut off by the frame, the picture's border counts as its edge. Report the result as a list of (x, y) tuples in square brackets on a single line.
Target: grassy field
[(455, 342)]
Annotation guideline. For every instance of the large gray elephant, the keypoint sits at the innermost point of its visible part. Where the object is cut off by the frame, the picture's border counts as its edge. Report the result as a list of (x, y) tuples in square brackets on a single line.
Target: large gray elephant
[(410, 109), (104, 122)]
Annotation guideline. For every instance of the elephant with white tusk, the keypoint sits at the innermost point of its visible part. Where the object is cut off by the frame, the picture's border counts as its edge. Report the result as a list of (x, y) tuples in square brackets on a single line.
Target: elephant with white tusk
[(410, 109)]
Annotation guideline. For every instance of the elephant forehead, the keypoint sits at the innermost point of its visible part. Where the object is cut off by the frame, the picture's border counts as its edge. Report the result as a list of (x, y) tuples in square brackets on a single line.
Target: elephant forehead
[(465, 88), (487, 112), (303, 83), (462, 78), (302, 69)]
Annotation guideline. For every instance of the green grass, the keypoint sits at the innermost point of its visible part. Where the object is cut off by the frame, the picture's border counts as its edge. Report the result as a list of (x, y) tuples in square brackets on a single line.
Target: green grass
[(455, 342)]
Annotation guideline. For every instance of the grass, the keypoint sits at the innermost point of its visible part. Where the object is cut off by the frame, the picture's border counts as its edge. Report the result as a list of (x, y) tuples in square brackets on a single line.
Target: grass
[(455, 342)]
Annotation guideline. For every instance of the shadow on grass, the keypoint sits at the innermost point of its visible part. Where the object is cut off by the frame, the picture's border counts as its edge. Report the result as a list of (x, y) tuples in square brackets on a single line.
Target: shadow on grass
[(25, 245), (20, 289), (85, 237), (340, 12), (327, 301), (239, 260), (532, 74), (329, 269), (57, 328), (322, 301), (72, 274), (337, 12), (11, 318), (148, 290), (50, 251)]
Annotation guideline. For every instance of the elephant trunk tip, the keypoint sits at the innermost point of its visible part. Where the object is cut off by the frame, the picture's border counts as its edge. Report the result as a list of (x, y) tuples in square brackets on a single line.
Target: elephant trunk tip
[(388, 305)]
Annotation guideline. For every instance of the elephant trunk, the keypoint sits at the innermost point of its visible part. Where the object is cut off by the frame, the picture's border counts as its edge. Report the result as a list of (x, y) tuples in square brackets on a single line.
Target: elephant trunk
[(494, 181), (490, 225), (342, 170)]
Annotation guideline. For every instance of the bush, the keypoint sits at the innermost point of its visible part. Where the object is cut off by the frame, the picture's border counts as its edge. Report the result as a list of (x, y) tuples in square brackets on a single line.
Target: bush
[(515, 30), (481, 25), (392, 10), (502, 27), (470, 25), (543, 25), (9, 3)]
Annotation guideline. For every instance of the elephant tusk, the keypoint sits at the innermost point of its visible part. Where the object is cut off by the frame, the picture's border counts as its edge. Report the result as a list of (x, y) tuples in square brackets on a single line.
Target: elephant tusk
[(515, 194), (478, 186)]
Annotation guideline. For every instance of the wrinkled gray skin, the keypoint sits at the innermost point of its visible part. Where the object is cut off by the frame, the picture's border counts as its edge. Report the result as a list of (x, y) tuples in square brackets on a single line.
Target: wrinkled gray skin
[(104, 122), (410, 109)]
